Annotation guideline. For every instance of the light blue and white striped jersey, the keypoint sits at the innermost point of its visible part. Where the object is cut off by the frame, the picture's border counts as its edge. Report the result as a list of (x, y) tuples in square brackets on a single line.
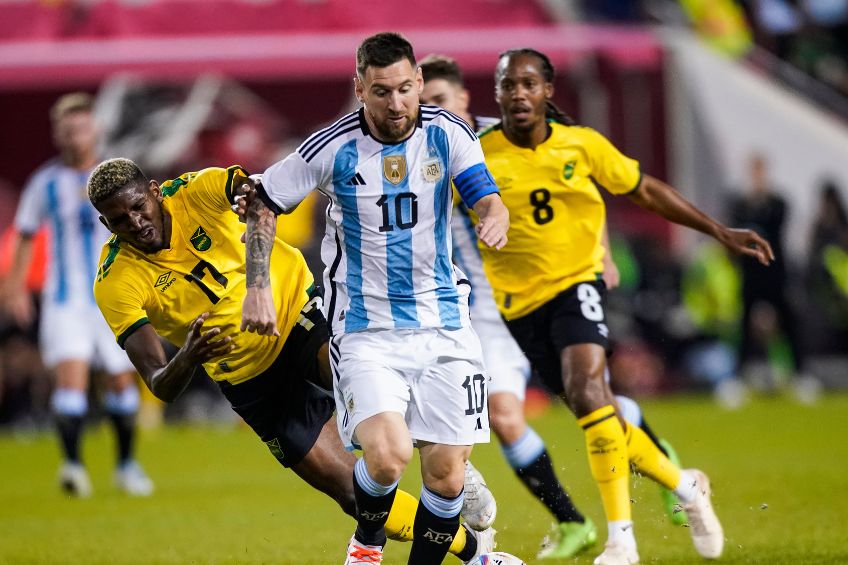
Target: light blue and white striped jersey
[(466, 254), (57, 194), (387, 246)]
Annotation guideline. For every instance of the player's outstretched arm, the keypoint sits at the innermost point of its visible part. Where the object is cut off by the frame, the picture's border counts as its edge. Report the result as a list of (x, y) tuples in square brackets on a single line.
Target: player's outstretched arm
[(494, 220), (612, 277), (662, 199), (167, 379), (258, 312)]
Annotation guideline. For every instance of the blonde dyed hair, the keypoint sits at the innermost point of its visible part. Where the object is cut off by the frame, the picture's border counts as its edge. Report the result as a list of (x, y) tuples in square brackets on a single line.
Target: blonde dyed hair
[(111, 176)]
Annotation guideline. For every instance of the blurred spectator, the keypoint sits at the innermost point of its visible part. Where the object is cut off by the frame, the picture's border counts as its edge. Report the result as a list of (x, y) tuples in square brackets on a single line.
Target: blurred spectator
[(762, 210), (711, 297), (24, 382), (721, 24), (827, 271)]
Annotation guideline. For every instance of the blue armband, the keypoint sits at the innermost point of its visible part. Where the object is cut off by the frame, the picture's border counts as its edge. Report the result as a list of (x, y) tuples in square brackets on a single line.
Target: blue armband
[(474, 183)]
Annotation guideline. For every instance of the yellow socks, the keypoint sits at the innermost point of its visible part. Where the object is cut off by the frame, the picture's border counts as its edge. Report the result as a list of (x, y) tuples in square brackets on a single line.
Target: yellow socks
[(607, 449), (649, 460), (402, 517)]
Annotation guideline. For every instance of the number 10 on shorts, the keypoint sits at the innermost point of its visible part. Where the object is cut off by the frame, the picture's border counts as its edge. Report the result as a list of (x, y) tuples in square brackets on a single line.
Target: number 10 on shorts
[(475, 389)]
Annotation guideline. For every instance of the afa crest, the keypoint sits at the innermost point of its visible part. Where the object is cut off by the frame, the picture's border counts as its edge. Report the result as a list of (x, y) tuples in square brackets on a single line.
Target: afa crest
[(568, 170), (200, 239), (432, 170), (394, 168)]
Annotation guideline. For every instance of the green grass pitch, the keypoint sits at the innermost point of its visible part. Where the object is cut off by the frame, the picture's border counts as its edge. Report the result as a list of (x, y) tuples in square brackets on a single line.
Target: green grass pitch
[(778, 471)]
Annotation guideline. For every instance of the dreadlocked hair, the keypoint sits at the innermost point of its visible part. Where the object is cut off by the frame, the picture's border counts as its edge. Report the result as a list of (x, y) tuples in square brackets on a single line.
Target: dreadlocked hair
[(552, 111)]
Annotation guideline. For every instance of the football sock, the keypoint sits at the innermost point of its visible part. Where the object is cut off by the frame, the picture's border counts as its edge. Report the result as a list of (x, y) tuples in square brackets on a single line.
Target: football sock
[(69, 407), (464, 545), (532, 463), (607, 450), (436, 524), (402, 516), (373, 502), (649, 460), (122, 407), (622, 531), (687, 489), (632, 413)]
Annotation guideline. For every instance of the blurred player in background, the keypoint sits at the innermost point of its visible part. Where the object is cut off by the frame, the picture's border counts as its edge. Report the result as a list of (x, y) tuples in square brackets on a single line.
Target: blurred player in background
[(548, 285), (509, 369), (176, 270), (74, 337), (387, 169)]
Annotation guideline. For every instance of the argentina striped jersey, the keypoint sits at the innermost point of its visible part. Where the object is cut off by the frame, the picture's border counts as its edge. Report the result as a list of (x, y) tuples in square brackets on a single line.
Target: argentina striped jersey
[(56, 195), (467, 255), (387, 246)]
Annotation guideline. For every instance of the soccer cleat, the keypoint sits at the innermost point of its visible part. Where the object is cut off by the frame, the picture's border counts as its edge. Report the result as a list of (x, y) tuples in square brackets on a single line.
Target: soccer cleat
[(485, 543), (361, 553), (669, 499), (132, 479), (616, 554), (567, 539), (707, 534), (73, 478), (479, 507)]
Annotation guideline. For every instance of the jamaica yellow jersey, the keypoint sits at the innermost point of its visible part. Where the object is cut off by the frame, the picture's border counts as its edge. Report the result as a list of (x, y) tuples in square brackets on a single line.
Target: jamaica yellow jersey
[(556, 212), (203, 270)]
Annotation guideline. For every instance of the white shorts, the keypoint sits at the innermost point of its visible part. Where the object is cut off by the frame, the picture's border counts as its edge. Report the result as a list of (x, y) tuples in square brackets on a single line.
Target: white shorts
[(79, 332), (433, 377), (506, 364)]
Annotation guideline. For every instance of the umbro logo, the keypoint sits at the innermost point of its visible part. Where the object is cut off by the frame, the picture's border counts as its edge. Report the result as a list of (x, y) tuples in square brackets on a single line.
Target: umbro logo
[(601, 442), (164, 281), (356, 180)]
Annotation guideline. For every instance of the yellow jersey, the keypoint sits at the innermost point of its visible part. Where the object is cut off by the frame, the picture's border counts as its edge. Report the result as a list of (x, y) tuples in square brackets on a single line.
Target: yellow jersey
[(556, 212), (203, 270)]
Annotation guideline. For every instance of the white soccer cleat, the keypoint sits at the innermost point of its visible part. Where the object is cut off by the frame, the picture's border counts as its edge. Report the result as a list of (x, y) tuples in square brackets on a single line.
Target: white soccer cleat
[(73, 478), (707, 534), (485, 543), (132, 479), (361, 553), (616, 553), (479, 507)]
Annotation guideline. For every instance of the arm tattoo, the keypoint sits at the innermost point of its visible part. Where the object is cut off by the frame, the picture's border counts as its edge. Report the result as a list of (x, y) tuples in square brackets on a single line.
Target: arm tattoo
[(261, 227)]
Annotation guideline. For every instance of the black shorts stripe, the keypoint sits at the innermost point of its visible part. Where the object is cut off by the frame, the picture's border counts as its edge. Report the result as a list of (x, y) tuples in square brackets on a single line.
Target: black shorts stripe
[(318, 136), (331, 308), (588, 425)]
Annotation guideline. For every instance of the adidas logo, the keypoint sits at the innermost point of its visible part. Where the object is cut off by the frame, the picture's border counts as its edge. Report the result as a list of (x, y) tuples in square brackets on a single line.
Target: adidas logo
[(356, 180)]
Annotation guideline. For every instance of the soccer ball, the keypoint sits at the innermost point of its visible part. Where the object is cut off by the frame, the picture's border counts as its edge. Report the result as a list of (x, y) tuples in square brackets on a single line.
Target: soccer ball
[(499, 558)]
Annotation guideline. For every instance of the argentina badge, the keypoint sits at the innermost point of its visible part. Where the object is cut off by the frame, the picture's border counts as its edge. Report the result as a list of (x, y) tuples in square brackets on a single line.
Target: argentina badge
[(432, 169)]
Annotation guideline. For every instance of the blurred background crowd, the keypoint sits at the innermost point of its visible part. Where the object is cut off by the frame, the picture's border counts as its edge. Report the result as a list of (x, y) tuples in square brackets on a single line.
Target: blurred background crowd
[(743, 105)]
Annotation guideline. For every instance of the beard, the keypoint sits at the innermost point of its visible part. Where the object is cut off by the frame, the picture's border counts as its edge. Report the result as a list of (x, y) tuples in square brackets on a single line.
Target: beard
[(390, 131)]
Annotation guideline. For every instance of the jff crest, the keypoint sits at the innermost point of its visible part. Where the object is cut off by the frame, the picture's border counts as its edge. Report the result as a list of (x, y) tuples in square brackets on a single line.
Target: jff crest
[(394, 168)]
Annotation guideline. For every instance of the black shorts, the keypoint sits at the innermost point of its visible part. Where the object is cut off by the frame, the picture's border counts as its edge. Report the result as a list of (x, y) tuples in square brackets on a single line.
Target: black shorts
[(574, 316), (283, 405)]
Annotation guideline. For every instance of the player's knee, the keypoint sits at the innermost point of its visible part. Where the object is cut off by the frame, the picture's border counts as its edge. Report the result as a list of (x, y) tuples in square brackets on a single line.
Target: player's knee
[(387, 462), (445, 479), (508, 425), (586, 392)]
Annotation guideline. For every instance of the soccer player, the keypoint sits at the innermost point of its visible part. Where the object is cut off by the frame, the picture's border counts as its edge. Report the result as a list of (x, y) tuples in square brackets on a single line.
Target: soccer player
[(175, 269), (73, 336), (508, 368), (547, 282), (407, 365)]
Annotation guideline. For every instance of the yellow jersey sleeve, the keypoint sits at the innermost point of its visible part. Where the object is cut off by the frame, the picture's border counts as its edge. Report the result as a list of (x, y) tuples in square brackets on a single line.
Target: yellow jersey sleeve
[(118, 295), (611, 169), (212, 188)]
